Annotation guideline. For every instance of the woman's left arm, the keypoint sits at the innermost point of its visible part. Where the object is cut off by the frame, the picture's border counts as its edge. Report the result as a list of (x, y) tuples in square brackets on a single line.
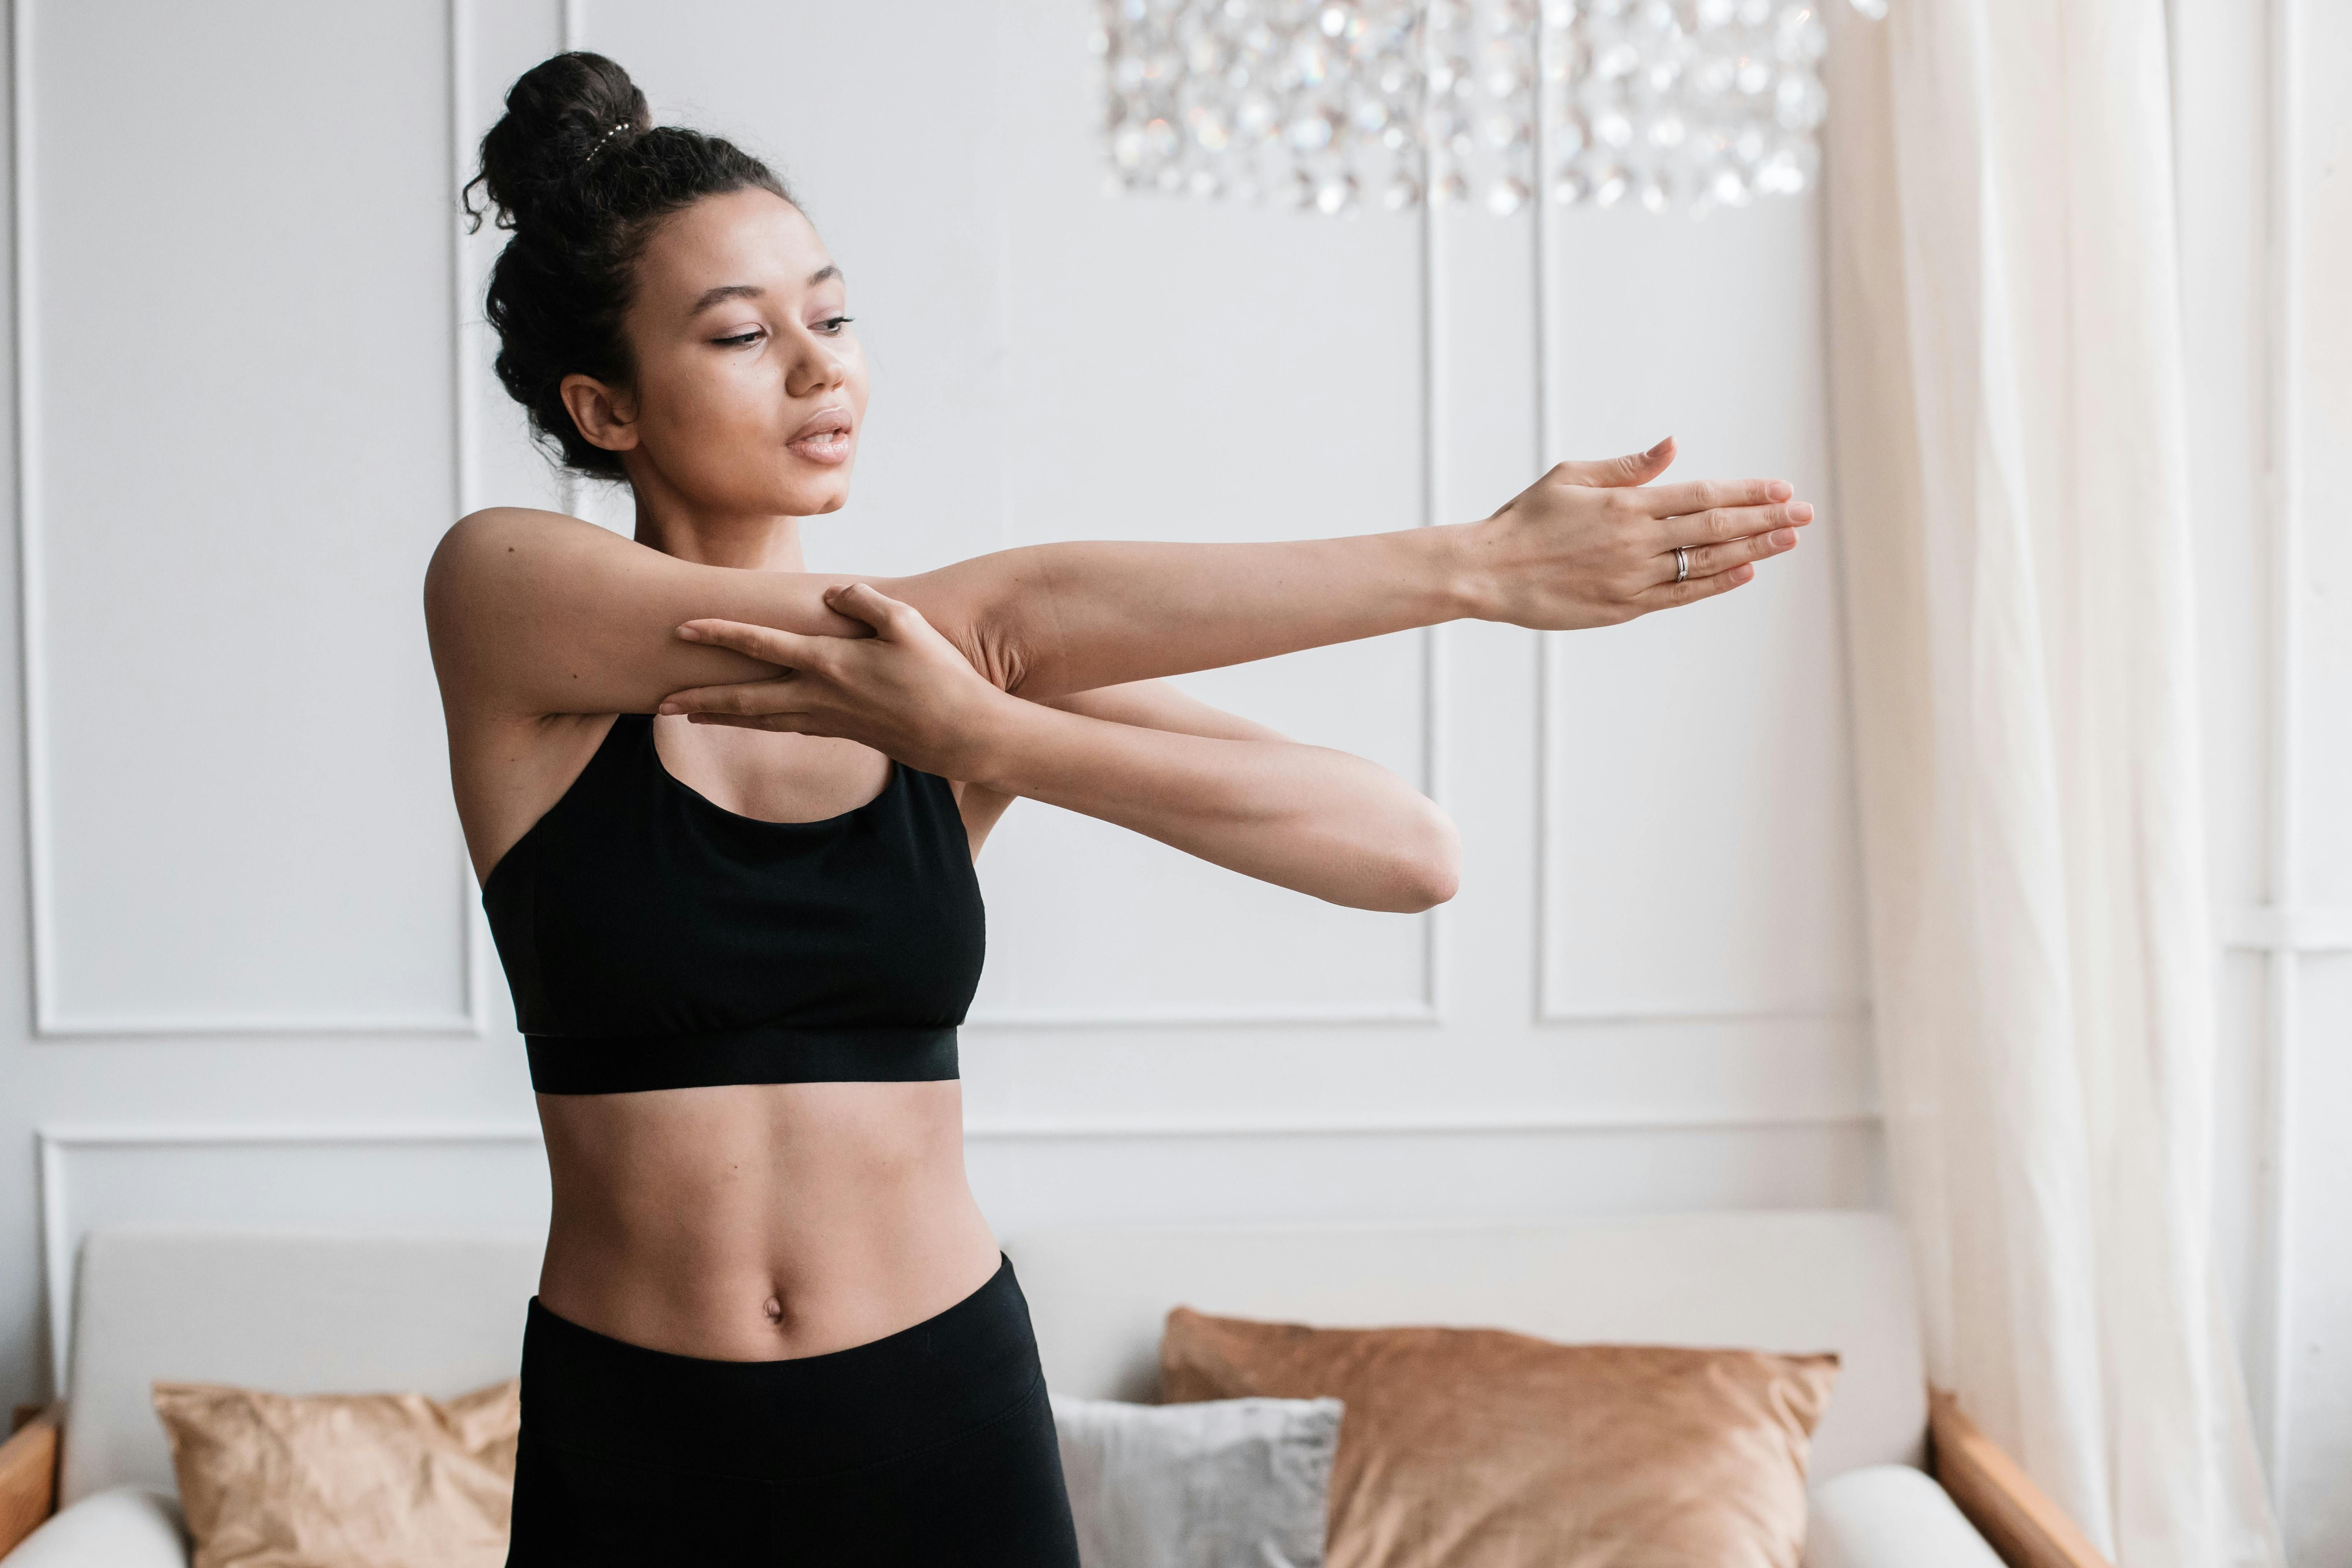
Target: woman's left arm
[(1142, 756)]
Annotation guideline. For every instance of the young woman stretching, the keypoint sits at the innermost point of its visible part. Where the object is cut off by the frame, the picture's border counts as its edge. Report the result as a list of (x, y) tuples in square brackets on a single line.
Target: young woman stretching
[(725, 811)]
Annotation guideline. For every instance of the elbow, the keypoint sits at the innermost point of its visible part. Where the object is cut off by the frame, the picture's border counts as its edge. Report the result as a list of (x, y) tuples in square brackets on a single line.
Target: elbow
[(1430, 885), (1424, 863)]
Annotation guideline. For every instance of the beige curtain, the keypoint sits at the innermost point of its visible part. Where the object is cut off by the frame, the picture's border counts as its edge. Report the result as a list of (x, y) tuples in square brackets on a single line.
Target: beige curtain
[(2010, 462)]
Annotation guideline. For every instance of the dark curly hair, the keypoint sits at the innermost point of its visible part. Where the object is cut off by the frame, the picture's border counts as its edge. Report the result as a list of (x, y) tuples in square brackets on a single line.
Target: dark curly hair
[(579, 173)]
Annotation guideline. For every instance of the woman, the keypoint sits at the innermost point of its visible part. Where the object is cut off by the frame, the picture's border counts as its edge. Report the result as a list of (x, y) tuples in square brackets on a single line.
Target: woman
[(725, 811)]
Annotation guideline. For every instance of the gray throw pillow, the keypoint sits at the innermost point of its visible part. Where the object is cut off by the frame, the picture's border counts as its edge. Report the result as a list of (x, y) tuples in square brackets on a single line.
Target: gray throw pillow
[(1219, 1483)]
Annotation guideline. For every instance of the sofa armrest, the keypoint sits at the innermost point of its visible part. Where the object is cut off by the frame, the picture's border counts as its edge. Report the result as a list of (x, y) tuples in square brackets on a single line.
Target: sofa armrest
[(28, 1475), (2024, 1526), (122, 1527)]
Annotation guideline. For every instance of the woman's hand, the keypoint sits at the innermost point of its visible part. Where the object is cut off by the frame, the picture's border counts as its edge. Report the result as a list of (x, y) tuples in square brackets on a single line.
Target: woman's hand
[(906, 690), (1591, 544)]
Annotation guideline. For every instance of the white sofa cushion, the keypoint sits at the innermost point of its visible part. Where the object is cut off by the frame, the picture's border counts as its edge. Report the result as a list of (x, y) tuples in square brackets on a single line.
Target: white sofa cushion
[(1223, 1483), (1776, 1281), (122, 1527), (1890, 1516)]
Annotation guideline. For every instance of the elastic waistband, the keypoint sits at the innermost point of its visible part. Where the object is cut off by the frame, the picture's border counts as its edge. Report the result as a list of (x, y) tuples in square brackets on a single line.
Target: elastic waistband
[(624, 1064), (782, 1420)]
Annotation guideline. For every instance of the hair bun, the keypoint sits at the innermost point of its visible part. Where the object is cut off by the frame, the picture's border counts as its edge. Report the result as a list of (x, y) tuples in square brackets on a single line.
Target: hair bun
[(560, 114)]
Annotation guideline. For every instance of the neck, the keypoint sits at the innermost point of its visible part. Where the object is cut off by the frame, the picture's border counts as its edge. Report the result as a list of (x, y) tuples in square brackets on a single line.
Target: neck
[(751, 541)]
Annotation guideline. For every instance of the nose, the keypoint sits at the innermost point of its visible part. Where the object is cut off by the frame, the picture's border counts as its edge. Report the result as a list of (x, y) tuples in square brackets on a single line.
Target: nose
[(815, 369)]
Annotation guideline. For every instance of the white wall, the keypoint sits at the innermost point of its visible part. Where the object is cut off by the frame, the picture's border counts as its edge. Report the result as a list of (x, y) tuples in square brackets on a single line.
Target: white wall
[(253, 393)]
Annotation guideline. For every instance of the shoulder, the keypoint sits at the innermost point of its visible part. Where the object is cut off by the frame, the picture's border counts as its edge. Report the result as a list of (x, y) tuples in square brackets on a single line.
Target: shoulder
[(479, 537), (490, 566), (488, 556)]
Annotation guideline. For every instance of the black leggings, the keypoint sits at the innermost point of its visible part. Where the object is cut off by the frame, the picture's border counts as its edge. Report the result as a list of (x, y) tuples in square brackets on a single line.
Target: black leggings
[(931, 1445)]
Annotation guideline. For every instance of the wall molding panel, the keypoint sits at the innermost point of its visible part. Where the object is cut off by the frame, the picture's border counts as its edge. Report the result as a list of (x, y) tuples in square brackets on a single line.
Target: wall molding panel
[(482, 960), (31, 619), (1429, 1007), (61, 1234), (51, 1016), (1555, 1000)]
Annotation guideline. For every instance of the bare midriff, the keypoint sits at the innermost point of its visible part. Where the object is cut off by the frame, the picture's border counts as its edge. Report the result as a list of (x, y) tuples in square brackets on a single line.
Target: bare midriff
[(760, 1222)]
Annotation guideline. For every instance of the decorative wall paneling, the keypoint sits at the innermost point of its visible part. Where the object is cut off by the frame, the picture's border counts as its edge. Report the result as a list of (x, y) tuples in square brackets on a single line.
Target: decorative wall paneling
[(1720, 730), (142, 842)]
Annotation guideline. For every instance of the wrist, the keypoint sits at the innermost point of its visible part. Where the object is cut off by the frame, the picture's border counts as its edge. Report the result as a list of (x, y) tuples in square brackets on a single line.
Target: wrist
[(997, 735), (1460, 577)]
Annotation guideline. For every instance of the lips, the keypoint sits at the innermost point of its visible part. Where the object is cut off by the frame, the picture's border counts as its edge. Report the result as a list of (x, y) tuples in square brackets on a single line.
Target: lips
[(824, 437)]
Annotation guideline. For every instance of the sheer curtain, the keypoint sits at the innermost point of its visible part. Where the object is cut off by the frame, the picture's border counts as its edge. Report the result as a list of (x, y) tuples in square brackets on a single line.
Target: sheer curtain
[(2011, 457)]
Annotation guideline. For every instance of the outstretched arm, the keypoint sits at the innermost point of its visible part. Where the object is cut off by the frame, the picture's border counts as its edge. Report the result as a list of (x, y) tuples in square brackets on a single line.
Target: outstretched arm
[(1586, 545), (532, 613)]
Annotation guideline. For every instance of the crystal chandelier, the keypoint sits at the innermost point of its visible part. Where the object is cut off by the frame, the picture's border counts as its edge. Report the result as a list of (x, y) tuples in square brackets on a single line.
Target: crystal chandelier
[(1333, 105)]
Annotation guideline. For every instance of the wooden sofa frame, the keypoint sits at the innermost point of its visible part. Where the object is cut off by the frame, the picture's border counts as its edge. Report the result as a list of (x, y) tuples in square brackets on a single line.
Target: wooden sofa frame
[(2023, 1526), (29, 1471), (2016, 1517)]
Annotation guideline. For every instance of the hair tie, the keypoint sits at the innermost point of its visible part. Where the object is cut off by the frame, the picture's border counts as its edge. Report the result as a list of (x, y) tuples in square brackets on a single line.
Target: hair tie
[(608, 135)]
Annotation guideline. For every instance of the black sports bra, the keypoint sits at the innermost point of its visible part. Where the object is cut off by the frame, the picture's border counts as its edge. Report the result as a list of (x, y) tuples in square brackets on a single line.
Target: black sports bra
[(655, 940)]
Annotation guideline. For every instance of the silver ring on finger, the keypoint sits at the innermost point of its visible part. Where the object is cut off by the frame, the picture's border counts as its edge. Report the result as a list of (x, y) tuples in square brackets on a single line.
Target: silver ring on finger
[(1682, 564)]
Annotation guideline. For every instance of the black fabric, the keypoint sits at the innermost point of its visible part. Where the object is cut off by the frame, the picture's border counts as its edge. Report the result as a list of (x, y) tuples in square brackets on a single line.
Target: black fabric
[(655, 939), (931, 1445), (739, 1055)]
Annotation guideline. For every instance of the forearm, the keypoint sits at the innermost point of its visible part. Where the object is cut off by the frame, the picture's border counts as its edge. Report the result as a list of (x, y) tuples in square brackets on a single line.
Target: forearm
[(1305, 817), (1048, 619)]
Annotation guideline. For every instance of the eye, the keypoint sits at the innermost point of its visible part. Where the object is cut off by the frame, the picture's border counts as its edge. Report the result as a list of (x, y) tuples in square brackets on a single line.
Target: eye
[(752, 336), (831, 325)]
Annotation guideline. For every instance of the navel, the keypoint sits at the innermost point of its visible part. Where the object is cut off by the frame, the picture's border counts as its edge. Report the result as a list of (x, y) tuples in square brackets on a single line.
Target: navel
[(775, 1309)]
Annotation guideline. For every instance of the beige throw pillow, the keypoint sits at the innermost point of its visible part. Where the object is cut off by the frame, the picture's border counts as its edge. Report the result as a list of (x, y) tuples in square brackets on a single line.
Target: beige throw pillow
[(344, 1480), (1483, 1448)]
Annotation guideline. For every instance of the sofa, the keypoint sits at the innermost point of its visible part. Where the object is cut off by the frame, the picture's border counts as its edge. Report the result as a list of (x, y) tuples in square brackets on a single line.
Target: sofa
[(1896, 1476)]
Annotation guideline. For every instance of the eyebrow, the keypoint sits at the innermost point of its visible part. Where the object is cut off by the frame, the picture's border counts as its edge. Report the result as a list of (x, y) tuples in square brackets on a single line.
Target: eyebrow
[(753, 291)]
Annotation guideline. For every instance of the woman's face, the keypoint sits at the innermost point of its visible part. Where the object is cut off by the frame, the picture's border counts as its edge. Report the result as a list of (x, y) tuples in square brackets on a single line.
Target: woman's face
[(750, 388)]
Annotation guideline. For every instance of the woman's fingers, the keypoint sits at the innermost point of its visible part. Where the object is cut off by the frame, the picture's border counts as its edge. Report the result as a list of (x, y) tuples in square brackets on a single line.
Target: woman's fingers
[(785, 724), (1717, 524), (1707, 559), (788, 649), (1707, 495), (1668, 595), (865, 602), (744, 697)]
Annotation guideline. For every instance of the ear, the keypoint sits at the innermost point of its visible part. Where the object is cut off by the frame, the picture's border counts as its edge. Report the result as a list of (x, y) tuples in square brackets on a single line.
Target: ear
[(606, 418)]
